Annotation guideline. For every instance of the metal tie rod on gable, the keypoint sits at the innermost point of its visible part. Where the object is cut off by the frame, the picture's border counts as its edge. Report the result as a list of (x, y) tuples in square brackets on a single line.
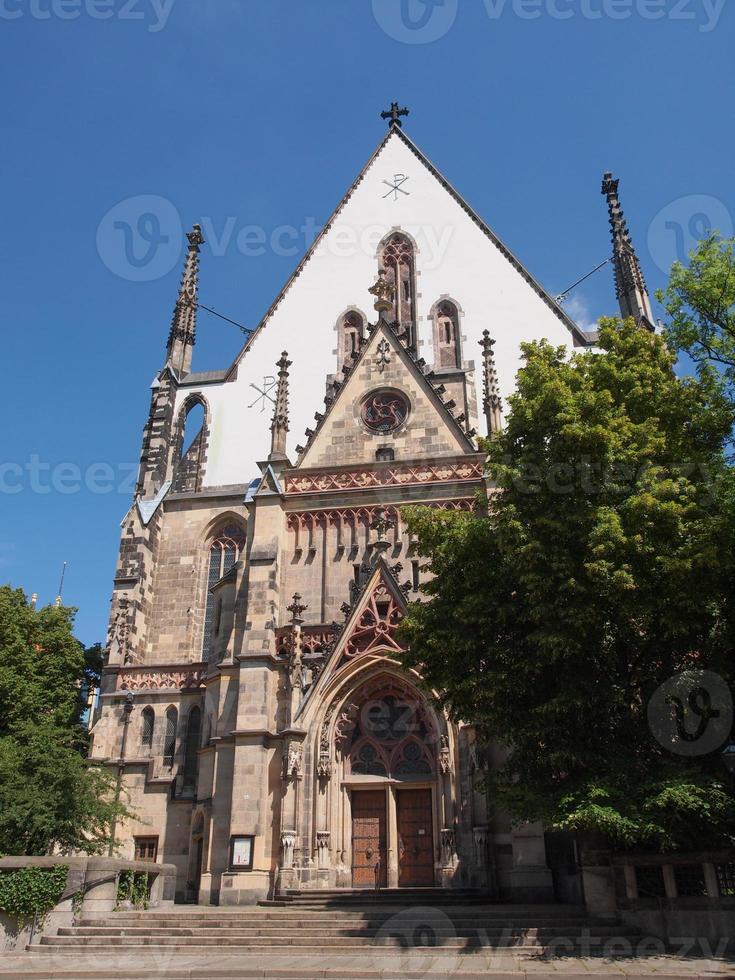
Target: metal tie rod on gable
[(562, 296)]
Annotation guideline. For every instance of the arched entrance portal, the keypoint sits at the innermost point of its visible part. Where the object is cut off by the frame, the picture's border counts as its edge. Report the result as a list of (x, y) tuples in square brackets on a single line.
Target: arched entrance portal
[(385, 812), (390, 769)]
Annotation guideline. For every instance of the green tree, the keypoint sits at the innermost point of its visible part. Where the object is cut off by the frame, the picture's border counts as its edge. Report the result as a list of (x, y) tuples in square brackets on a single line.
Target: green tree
[(597, 571), (49, 795), (700, 301)]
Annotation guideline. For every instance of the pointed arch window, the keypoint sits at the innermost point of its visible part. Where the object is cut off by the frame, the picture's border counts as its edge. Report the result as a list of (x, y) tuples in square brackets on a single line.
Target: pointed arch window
[(169, 742), (192, 445), (391, 738), (366, 759), (447, 340), (351, 333), (224, 552), (193, 736), (397, 257), (149, 725)]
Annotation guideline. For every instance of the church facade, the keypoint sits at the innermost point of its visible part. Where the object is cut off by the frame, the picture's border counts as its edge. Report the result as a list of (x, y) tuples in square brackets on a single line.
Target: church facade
[(273, 739)]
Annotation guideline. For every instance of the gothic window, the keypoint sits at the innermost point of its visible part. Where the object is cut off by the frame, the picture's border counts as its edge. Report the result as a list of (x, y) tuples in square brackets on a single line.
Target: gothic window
[(224, 552), (391, 737), (149, 724), (409, 759), (366, 760), (399, 261), (189, 463), (193, 733), (169, 742), (447, 341), (351, 332)]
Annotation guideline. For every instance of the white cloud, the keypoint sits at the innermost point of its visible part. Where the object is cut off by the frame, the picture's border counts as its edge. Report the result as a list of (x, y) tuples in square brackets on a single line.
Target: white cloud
[(578, 309)]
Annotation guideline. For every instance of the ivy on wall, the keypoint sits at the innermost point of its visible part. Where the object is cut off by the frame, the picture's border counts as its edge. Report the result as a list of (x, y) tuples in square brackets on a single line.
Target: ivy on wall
[(134, 887), (31, 892)]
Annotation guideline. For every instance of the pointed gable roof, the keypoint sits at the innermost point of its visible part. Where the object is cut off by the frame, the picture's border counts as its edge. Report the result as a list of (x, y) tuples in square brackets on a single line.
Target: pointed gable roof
[(370, 627), (401, 370), (397, 133)]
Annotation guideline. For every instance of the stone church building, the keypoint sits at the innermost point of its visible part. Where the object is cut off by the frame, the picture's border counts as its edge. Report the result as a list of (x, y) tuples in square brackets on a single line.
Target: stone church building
[(270, 736)]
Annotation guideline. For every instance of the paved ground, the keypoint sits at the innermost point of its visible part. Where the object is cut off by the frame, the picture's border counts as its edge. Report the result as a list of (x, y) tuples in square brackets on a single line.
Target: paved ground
[(151, 964)]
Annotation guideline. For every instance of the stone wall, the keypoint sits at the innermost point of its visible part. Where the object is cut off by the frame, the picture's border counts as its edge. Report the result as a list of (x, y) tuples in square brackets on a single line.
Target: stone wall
[(92, 882)]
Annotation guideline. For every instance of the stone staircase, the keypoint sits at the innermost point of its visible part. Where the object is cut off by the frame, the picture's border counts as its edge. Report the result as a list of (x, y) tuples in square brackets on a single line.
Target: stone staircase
[(354, 922)]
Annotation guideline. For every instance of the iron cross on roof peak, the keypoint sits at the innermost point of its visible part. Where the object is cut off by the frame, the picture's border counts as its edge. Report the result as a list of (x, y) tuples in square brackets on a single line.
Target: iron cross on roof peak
[(394, 115)]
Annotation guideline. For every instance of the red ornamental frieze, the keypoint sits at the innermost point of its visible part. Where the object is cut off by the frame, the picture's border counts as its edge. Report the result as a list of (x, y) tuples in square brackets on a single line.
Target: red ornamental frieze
[(188, 678), (400, 475), (314, 639), (352, 517)]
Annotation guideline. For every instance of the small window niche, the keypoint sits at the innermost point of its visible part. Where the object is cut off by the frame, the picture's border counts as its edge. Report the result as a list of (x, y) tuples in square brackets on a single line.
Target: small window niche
[(447, 342), (242, 848)]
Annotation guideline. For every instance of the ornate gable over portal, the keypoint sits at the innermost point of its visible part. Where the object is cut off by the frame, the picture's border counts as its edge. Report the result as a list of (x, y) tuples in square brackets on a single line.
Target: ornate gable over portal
[(387, 401), (370, 626)]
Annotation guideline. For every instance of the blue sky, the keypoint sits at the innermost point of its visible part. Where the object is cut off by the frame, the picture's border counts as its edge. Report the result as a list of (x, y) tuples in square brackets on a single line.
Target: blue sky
[(260, 113)]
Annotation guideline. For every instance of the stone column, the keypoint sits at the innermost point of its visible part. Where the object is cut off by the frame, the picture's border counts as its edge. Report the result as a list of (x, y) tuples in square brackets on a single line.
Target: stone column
[(480, 840), (447, 833), (392, 844), (531, 879), (323, 838), (288, 844)]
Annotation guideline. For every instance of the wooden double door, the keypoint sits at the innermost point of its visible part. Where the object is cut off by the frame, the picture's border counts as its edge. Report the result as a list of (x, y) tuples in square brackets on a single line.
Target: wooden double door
[(415, 838)]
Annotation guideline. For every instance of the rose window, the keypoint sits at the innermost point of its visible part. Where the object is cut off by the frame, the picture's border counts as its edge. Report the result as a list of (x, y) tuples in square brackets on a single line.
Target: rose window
[(385, 411)]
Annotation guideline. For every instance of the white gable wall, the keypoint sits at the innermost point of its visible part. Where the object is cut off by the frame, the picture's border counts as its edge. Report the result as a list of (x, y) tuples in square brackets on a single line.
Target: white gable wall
[(455, 259)]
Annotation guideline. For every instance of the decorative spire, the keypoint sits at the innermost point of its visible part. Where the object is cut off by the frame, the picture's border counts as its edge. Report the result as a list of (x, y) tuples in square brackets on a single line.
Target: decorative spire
[(383, 291), (182, 336), (630, 285), (394, 115), (381, 524), (297, 609), (279, 425), (492, 402)]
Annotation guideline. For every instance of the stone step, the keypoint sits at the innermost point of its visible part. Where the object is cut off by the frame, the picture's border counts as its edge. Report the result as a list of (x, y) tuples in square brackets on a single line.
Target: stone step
[(426, 931), (372, 921), (275, 945), (316, 914), (478, 907)]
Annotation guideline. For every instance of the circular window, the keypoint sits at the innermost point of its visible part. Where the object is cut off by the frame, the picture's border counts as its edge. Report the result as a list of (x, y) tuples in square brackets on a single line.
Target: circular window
[(384, 411)]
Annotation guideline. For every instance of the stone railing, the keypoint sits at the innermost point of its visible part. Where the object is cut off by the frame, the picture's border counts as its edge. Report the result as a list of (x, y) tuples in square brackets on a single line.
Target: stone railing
[(91, 889), (668, 896)]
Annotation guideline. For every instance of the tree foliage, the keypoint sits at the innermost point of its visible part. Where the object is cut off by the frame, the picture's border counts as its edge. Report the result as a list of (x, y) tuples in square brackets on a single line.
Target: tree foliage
[(700, 301), (50, 797), (599, 570)]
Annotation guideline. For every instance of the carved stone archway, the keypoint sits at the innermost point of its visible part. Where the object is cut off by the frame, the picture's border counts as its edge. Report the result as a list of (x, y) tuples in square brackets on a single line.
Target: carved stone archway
[(378, 715)]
